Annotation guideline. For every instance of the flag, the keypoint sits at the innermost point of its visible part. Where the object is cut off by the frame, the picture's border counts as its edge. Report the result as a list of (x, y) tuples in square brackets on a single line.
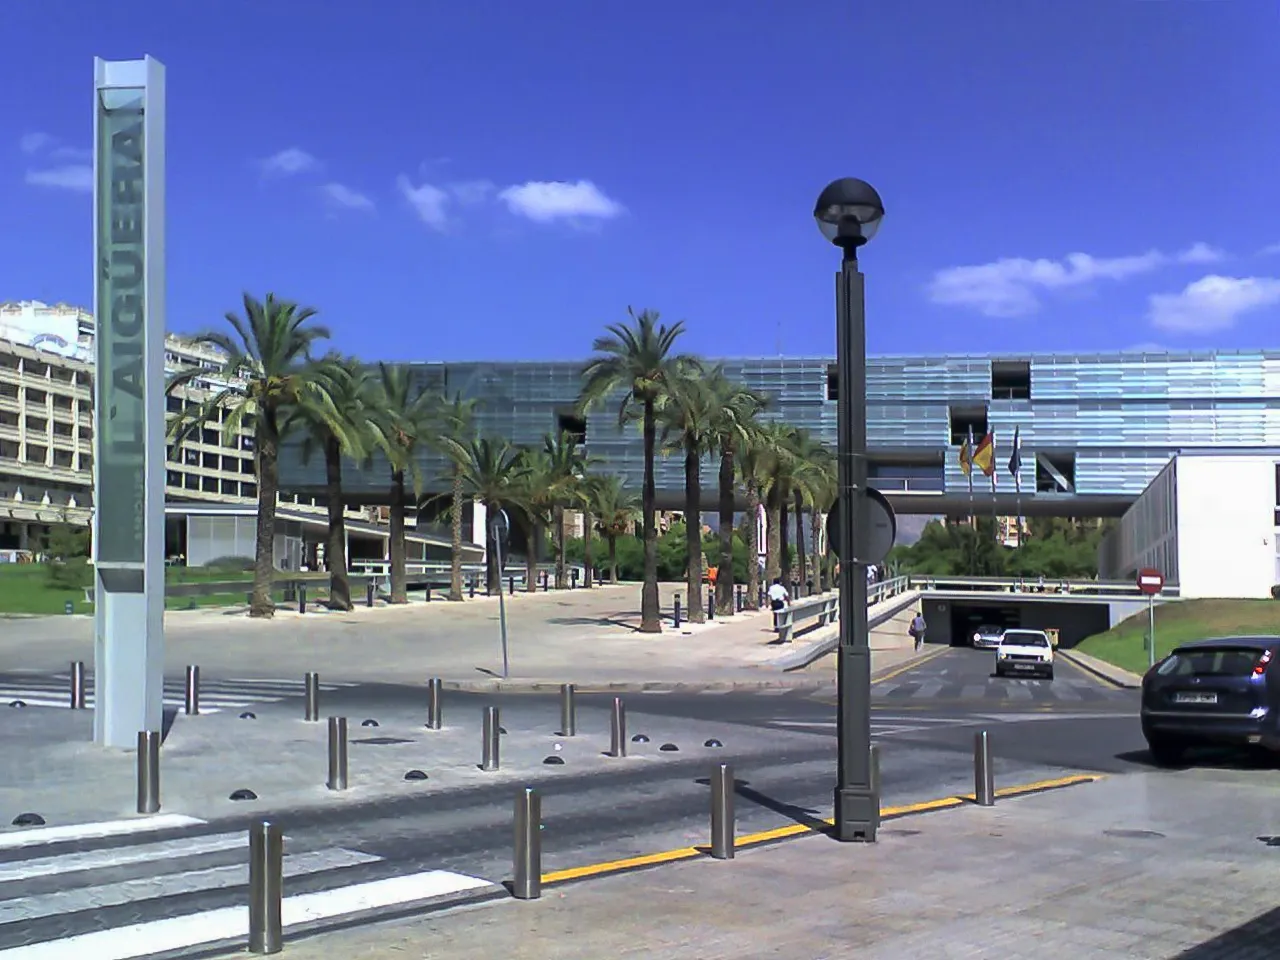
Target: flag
[(966, 456), (1015, 460), (985, 456)]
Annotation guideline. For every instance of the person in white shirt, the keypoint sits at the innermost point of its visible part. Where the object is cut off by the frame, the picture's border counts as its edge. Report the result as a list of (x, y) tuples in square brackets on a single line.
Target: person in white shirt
[(778, 595)]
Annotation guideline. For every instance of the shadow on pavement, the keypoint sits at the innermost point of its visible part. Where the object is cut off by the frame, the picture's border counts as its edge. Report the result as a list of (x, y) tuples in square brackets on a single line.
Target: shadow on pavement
[(1254, 938), (805, 816)]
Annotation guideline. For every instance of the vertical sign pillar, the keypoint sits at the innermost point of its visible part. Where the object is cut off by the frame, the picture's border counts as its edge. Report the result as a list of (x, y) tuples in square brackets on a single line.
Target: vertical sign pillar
[(128, 409)]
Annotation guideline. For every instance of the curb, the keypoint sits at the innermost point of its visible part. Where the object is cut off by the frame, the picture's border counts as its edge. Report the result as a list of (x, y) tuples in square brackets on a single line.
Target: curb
[(632, 686), (1101, 670)]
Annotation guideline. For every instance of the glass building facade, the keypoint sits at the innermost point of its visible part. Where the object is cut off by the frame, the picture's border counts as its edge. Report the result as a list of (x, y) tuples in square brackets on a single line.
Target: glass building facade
[(1091, 426)]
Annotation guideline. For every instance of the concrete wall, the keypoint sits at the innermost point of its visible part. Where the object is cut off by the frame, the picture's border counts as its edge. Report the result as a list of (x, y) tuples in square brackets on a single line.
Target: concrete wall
[(1226, 526), (891, 634), (937, 614), (1073, 621)]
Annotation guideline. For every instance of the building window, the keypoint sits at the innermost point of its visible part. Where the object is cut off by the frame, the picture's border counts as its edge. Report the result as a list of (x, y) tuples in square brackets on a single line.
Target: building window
[(173, 404), (209, 484), (190, 457), (1010, 380), (209, 437), (249, 490), (246, 465), (1055, 472), (173, 478), (86, 433), (967, 419), (575, 426), (833, 382), (191, 481), (62, 458), (37, 454), (229, 488), (8, 450), (209, 461)]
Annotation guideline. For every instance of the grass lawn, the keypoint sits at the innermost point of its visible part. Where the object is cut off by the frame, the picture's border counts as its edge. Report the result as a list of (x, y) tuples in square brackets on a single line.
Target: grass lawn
[(25, 588), (1180, 621)]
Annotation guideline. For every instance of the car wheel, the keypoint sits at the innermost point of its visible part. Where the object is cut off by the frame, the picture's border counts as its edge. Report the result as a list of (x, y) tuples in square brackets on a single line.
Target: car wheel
[(1166, 752)]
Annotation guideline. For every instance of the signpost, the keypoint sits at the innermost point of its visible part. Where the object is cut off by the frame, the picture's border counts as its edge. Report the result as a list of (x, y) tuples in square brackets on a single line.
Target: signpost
[(500, 527), (128, 409), (1151, 582)]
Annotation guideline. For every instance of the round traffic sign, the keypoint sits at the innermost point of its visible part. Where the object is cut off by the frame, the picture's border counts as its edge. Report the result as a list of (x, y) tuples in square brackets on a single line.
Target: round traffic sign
[(882, 529)]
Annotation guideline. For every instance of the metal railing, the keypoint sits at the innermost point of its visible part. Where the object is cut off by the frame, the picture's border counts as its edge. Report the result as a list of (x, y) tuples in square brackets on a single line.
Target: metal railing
[(1034, 586), (825, 608)]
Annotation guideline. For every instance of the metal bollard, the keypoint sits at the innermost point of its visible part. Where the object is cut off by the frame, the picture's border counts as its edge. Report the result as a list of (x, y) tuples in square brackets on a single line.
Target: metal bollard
[(77, 685), (545, 585), (738, 603), (191, 694), (568, 711), (676, 618), (337, 754), (266, 887), (711, 604), (312, 704), (574, 574), (428, 592), (491, 758), (471, 589), (148, 771), (368, 594), (302, 598), (722, 812), (984, 781), (433, 704), (618, 729), (527, 880), (511, 585)]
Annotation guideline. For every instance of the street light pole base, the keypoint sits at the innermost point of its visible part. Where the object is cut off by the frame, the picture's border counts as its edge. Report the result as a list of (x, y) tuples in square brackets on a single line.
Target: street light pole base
[(857, 815)]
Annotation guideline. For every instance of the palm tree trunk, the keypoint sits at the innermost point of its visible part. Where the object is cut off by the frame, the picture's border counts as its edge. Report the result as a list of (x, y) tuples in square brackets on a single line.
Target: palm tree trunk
[(800, 564), (784, 540), (588, 522), (399, 591), (557, 521), (335, 551), (693, 533), (531, 555), (455, 559), (773, 546), (613, 558), (650, 612), (724, 576), (815, 532), (753, 546), (264, 568)]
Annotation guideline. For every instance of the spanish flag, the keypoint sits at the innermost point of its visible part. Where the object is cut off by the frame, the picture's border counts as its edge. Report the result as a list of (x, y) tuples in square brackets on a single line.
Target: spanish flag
[(966, 455), (984, 458)]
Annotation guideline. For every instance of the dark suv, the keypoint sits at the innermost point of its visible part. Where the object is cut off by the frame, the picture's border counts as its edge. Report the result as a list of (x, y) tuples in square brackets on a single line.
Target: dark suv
[(1216, 692)]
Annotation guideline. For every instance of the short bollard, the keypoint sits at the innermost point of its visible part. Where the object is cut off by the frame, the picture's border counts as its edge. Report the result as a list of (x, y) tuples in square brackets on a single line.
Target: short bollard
[(427, 592), (738, 602), (77, 685), (368, 594), (722, 812), (433, 704), (527, 876), (302, 598), (148, 771), (984, 781), (311, 706), (711, 604), (491, 758), (191, 693), (545, 585), (471, 588), (574, 573), (337, 754), (266, 887), (511, 586), (675, 619), (568, 711), (618, 729)]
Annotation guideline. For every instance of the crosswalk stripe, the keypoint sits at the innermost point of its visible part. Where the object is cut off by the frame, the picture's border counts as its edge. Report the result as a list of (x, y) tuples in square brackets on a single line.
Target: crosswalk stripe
[(95, 831), (19, 909), (119, 857)]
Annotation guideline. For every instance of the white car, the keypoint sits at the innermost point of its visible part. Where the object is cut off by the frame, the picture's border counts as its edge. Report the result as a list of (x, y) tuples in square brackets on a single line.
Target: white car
[(987, 637), (1025, 652)]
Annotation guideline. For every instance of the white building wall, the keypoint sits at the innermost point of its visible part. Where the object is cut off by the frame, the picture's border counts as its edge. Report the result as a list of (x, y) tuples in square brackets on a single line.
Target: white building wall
[(1226, 509)]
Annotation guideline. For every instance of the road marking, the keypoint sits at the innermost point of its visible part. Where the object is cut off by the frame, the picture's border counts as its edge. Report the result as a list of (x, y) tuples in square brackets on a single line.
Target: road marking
[(910, 665), (230, 923), (796, 830), (1094, 679), (119, 857), (95, 831)]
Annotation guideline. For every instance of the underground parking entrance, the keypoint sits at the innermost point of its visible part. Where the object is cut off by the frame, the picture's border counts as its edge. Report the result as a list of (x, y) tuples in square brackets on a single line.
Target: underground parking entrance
[(953, 621)]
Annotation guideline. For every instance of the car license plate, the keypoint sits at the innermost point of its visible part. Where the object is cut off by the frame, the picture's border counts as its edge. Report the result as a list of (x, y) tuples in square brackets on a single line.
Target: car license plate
[(1024, 666), (1195, 698)]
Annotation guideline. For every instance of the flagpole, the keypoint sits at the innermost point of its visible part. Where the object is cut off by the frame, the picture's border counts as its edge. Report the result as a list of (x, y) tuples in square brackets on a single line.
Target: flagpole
[(973, 521), (995, 521)]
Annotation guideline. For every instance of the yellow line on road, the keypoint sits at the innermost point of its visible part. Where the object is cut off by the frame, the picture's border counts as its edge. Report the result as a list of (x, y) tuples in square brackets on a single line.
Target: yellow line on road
[(800, 829), (910, 665)]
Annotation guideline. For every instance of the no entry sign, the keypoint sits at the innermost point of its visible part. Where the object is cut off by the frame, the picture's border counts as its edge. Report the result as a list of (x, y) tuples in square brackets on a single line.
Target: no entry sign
[(1150, 581)]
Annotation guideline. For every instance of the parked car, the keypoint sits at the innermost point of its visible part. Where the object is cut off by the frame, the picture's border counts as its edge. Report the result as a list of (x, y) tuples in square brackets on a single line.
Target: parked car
[(987, 637), (1024, 652), (1215, 692)]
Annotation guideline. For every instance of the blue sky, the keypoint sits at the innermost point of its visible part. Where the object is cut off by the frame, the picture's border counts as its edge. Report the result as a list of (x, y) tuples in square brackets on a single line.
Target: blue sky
[(501, 179)]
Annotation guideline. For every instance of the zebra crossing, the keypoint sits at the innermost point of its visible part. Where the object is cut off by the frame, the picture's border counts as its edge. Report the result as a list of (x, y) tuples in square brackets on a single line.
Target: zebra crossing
[(216, 695), (881, 725), (1063, 689), (132, 889)]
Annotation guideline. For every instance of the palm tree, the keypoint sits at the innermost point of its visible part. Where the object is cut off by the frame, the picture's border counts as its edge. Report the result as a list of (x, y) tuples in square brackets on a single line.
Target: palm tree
[(565, 468), (733, 420), (805, 452), (775, 444), (457, 425), (539, 498), (403, 417), (586, 500), (639, 362), (753, 463), (333, 417), (688, 413), (490, 472), (616, 507), (815, 489), (267, 368)]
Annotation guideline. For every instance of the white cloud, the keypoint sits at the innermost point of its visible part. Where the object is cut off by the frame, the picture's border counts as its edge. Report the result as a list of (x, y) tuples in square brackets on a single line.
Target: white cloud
[(1270, 249), (75, 154), (428, 201), (71, 177), (340, 195), (1011, 287), (1201, 252), (1212, 303), (288, 162), (471, 191), (545, 201), (34, 142)]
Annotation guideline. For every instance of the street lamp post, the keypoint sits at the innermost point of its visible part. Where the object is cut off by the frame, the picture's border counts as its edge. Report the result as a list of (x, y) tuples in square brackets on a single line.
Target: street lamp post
[(849, 212)]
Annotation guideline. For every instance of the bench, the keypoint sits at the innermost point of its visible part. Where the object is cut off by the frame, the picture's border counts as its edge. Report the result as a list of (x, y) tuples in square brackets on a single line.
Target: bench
[(821, 610)]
